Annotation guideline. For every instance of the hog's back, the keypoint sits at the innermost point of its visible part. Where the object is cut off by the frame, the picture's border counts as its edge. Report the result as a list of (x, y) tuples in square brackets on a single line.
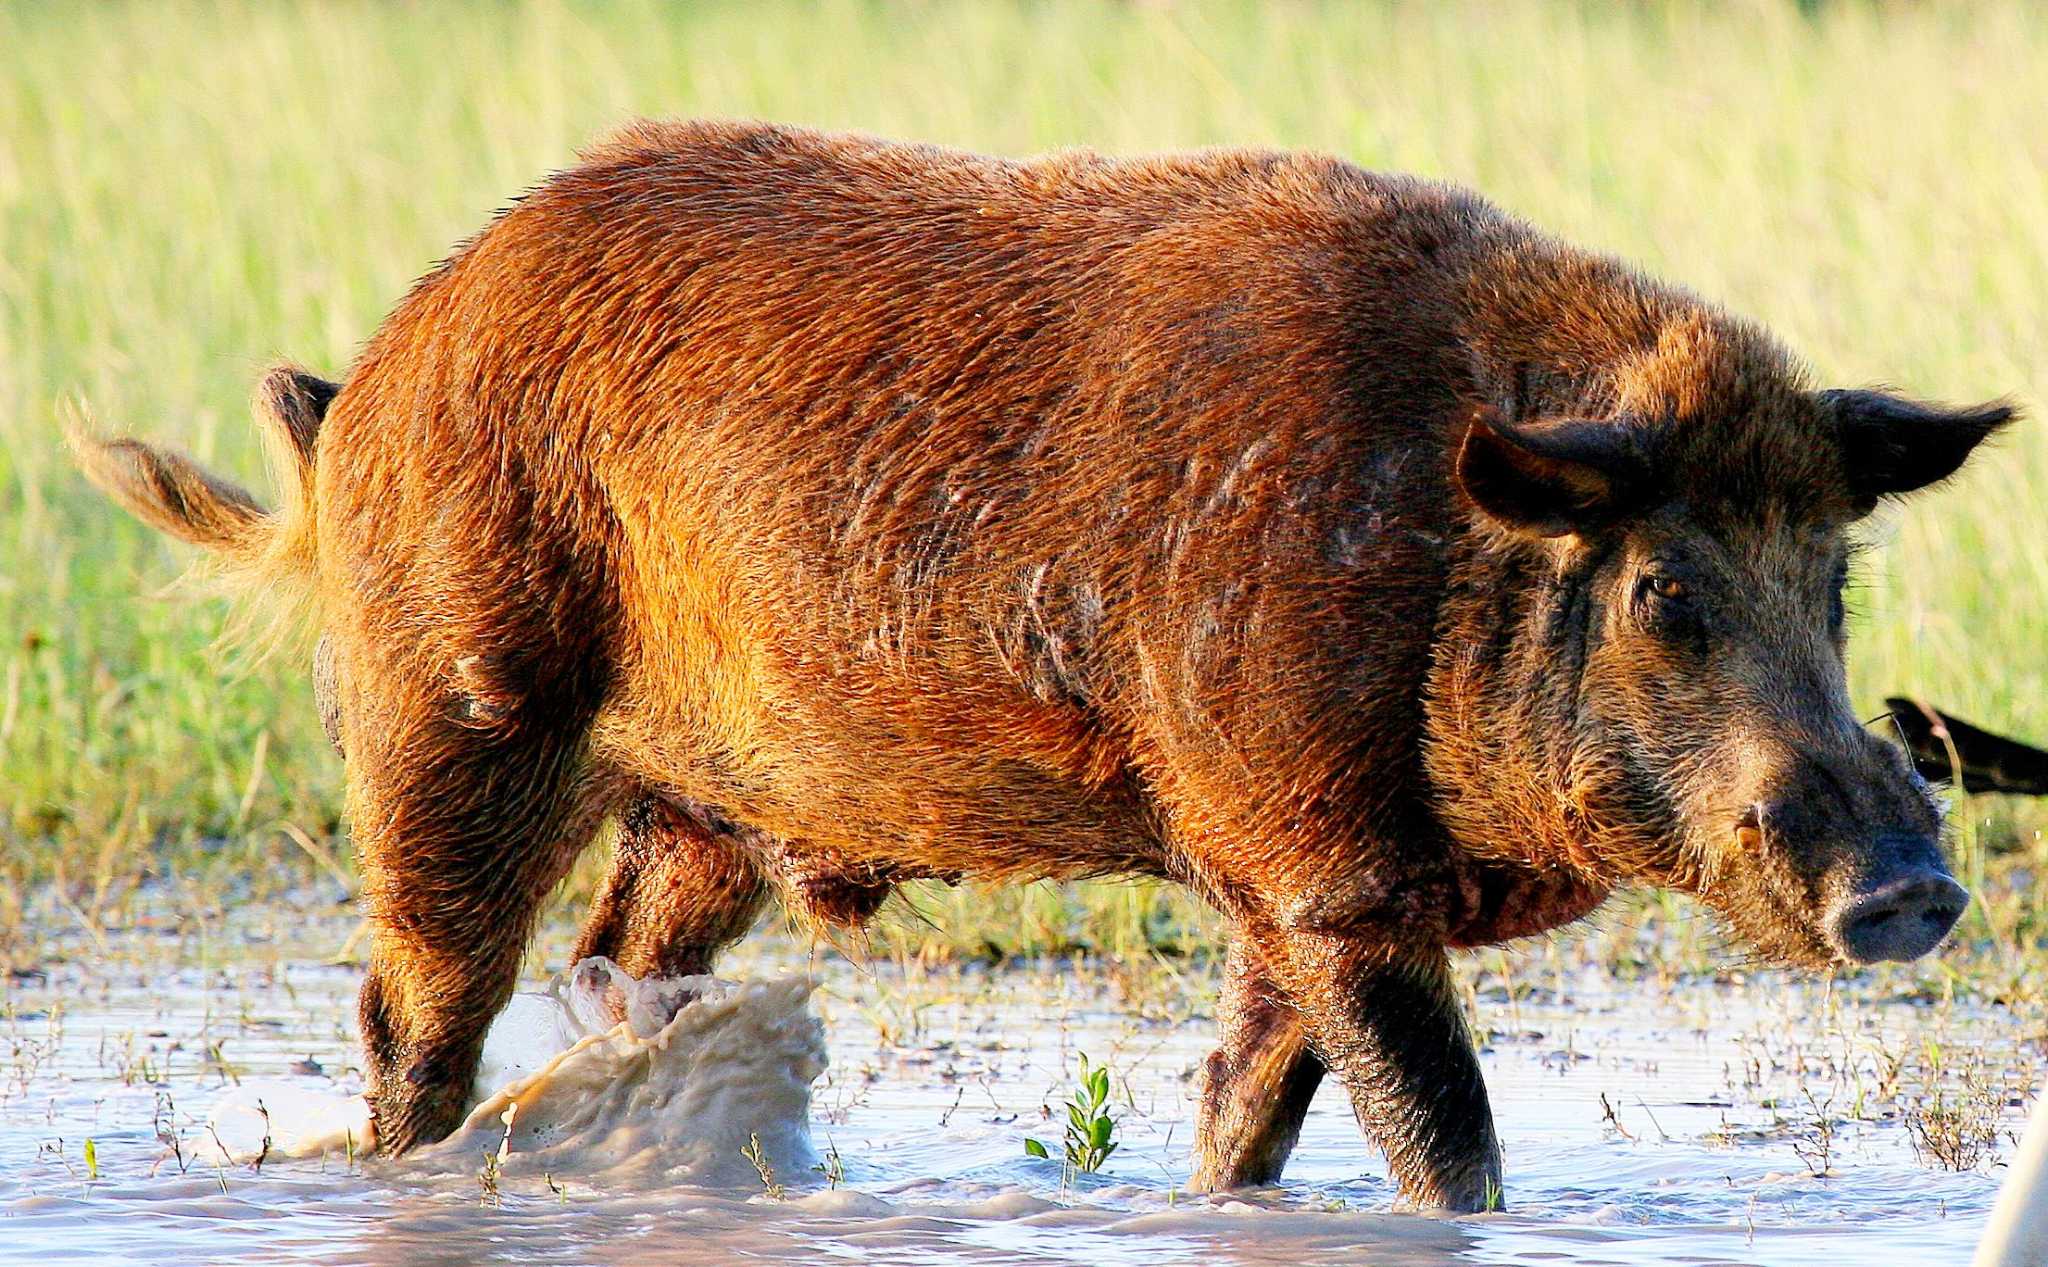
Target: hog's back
[(997, 518)]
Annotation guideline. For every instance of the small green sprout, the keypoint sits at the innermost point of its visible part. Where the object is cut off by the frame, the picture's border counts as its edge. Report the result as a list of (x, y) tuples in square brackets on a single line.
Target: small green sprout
[(1496, 1198), (1090, 1129)]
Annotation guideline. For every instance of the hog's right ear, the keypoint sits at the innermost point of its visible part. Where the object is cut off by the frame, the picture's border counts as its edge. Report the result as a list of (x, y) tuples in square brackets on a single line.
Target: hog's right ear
[(1549, 479)]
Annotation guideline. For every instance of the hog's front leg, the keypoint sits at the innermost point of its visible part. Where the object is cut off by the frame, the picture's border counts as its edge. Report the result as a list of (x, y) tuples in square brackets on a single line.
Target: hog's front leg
[(1387, 1023)]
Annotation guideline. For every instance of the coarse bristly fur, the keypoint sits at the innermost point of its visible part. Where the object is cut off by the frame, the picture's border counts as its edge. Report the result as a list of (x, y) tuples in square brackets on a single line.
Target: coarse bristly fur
[(839, 512)]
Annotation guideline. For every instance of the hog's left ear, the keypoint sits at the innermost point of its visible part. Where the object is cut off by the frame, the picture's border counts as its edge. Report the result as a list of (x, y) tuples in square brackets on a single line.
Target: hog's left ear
[(1891, 445), (1549, 479)]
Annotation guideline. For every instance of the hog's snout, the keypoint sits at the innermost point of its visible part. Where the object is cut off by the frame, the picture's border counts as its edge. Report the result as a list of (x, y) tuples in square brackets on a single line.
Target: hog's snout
[(1903, 915), (1842, 854)]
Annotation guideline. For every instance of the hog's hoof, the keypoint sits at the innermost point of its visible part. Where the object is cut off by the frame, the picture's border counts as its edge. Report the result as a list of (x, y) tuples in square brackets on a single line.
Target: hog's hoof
[(1221, 1176), (1475, 1192), (411, 1111)]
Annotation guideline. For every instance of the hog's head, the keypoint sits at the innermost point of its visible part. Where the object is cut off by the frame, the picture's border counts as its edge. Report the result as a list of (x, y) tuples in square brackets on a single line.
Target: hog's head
[(1678, 654)]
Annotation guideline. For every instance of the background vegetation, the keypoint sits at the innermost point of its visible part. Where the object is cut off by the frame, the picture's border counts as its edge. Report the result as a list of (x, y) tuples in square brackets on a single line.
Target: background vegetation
[(188, 192)]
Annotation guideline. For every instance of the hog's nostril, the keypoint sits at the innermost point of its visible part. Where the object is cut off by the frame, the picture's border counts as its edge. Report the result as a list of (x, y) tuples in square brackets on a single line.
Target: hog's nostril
[(1902, 919)]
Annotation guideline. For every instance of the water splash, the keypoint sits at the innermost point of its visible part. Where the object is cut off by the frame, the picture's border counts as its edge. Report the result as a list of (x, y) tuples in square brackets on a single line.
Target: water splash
[(600, 1077)]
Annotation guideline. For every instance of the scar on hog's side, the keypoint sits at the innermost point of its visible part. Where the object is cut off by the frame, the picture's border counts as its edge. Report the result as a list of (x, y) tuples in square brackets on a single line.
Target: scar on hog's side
[(836, 513)]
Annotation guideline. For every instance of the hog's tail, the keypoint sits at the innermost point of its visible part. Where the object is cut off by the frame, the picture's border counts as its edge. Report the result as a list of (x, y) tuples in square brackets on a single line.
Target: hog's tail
[(258, 550)]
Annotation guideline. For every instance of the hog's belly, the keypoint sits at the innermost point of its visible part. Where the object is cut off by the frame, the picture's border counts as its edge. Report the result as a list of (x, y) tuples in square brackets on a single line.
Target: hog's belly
[(854, 784)]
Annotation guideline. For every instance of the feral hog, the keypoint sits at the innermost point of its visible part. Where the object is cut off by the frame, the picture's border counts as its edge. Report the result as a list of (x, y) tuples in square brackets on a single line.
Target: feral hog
[(840, 512)]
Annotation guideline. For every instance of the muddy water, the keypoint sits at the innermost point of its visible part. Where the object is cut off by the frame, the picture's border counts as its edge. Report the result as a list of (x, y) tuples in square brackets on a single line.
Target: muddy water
[(1770, 1121)]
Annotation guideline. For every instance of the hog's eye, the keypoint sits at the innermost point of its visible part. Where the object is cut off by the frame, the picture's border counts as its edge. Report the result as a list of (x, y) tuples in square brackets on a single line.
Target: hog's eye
[(1663, 588), (1665, 603)]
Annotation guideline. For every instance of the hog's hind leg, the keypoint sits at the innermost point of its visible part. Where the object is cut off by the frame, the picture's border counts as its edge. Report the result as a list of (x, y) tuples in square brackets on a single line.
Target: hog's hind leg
[(679, 891)]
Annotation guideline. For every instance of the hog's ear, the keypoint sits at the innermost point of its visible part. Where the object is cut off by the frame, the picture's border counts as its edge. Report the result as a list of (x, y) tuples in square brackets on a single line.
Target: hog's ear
[(1891, 445), (1549, 479)]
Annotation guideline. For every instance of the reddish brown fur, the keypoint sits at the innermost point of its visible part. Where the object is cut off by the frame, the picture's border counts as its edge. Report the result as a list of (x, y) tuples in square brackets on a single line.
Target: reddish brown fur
[(845, 512)]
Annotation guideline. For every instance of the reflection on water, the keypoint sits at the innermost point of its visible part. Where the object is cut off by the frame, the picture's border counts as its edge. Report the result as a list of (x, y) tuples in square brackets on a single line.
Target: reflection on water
[(1642, 1126)]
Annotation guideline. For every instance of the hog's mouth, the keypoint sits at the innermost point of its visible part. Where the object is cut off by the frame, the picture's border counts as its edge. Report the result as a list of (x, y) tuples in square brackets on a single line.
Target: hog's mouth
[(1777, 917)]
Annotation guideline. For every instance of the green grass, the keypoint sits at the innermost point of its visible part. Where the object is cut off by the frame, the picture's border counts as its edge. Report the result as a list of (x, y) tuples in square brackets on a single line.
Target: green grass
[(188, 192)]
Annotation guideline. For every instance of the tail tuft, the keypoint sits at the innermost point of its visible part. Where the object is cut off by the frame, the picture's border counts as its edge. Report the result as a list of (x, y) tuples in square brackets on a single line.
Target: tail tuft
[(170, 493), (259, 549)]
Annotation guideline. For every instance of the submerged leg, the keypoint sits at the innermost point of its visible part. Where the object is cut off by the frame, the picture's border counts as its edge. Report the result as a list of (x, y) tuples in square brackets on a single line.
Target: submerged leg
[(1388, 1024), (1260, 1080)]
